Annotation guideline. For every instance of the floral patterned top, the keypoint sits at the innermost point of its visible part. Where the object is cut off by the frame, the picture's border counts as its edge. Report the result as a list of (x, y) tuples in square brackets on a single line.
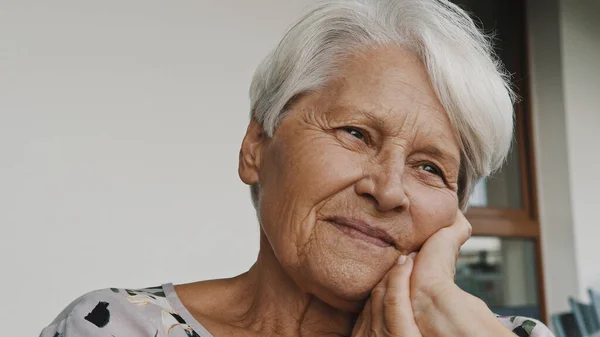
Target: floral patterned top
[(157, 311)]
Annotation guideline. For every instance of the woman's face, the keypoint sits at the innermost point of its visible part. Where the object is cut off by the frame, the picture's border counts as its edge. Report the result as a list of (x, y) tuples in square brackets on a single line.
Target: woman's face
[(355, 176)]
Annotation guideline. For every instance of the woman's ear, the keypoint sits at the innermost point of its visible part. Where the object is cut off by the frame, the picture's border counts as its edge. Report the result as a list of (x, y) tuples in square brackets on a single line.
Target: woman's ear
[(250, 153)]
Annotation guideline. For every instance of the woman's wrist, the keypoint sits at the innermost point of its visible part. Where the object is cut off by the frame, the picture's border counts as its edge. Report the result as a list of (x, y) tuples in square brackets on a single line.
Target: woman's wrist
[(446, 310)]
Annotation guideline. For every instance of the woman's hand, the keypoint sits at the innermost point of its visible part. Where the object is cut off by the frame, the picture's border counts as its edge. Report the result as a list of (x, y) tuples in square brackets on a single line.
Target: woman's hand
[(418, 298), (388, 312), (440, 307), (413, 284), (435, 266)]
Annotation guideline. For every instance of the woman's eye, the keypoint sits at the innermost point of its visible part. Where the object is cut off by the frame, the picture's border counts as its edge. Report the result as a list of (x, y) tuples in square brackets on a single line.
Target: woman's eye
[(432, 169), (355, 132)]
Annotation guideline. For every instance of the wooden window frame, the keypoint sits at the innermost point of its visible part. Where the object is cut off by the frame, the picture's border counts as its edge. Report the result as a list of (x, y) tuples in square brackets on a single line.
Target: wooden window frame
[(524, 222)]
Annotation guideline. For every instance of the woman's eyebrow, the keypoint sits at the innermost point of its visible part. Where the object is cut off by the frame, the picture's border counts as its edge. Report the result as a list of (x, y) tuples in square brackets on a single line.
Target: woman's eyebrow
[(441, 155), (354, 110)]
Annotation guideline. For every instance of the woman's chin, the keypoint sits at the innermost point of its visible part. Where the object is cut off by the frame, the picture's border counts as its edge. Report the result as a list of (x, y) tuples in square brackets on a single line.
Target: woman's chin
[(346, 286), (349, 299)]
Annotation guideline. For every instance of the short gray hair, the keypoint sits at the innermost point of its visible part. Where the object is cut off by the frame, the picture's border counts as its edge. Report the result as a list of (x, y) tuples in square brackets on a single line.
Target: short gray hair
[(468, 78)]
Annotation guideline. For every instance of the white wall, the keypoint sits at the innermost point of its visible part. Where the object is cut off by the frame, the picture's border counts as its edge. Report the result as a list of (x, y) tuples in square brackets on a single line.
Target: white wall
[(120, 125), (564, 38), (580, 24)]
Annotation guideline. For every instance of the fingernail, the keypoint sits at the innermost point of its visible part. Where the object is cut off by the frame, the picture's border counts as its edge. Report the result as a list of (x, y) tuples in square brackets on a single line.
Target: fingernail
[(412, 255), (402, 259)]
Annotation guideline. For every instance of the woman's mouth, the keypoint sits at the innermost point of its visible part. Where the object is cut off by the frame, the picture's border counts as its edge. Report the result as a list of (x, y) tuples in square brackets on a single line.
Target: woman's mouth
[(362, 231)]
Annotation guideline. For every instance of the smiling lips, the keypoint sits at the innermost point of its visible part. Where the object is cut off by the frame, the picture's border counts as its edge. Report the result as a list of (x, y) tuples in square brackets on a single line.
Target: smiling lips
[(362, 231)]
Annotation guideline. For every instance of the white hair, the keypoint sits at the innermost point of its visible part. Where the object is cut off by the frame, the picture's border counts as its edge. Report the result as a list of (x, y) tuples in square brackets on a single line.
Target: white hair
[(469, 81)]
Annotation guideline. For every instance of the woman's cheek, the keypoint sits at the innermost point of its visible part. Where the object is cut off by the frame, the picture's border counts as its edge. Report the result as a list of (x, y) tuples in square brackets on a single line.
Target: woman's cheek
[(330, 169), (431, 208)]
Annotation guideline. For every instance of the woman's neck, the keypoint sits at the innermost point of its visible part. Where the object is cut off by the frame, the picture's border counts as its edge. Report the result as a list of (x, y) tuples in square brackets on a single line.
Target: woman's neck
[(265, 301), (277, 301)]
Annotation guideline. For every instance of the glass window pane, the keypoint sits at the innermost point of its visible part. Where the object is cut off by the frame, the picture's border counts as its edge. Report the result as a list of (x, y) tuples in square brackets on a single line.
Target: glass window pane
[(503, 188), (502, 272)]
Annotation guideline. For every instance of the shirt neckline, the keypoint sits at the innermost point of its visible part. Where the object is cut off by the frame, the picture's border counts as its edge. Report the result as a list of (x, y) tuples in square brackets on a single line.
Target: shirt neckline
[(182, 311)]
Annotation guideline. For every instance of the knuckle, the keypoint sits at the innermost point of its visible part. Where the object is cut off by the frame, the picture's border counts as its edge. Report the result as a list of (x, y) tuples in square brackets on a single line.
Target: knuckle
[(468, 228), (391, 299), (378, 292), (399, 271), (373, 331), (390, 302)]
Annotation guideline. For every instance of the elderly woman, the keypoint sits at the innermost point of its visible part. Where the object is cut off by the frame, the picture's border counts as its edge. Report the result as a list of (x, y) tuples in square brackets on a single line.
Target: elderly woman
[(370, 123)]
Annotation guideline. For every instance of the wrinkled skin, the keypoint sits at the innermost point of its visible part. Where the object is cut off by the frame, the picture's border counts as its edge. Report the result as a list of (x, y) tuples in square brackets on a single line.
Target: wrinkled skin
[(376, 145)]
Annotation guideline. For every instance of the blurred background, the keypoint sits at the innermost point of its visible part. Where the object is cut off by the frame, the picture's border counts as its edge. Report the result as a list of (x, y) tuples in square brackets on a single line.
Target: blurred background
[(120, 125)]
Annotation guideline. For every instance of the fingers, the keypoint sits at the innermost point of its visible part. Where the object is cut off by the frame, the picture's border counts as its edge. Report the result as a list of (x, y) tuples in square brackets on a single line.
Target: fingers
[(455, 235), (390, 305), (376, 301), (461, 229), (442, 248), (397, 315)]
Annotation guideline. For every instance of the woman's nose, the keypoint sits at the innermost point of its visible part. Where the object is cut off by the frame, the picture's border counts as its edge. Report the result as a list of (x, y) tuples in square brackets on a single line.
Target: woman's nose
[(384, 185)]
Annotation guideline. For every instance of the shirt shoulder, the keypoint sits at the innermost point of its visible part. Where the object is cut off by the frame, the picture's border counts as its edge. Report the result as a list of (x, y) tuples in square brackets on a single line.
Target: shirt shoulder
[(118, 312), (525, 327)]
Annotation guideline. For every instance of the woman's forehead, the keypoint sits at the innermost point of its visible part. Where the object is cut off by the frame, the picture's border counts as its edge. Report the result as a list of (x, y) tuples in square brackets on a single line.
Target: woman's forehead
[(387, 83)]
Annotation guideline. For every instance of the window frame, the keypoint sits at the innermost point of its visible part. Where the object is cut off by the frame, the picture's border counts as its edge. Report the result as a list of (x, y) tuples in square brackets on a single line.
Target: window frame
[(523, 222)]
